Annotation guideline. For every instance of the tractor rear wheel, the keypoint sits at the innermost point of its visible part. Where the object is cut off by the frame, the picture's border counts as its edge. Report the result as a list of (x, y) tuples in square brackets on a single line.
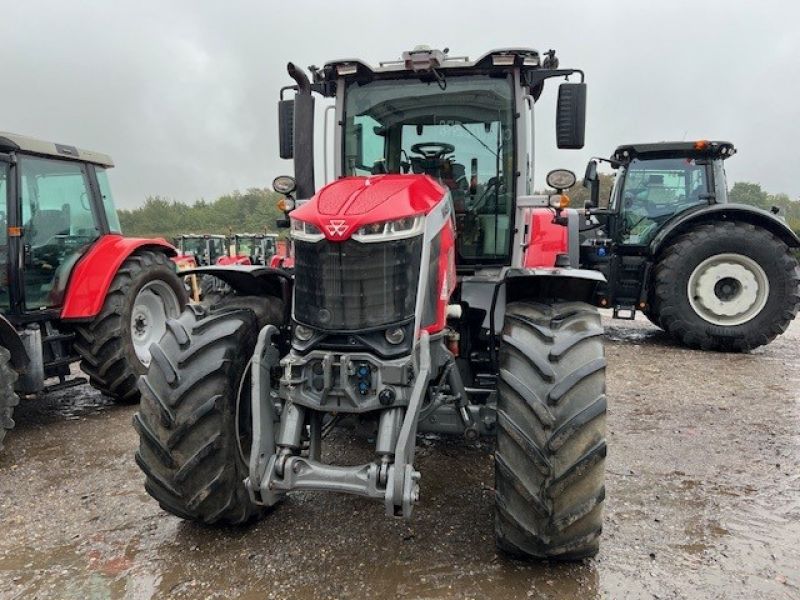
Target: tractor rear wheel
[(194, 420), (551, 446), (213, 290), (115, 346), (8, 398), (727, 286)]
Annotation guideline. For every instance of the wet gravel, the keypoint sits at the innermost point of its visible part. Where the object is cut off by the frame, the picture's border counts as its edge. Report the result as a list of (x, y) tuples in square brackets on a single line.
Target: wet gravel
[(703, 501)]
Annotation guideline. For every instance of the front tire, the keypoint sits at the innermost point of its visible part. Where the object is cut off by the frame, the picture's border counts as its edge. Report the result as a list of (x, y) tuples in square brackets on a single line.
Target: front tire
[(193, 442), (8, 397), (551, 447), (727, 286), (114, 346)]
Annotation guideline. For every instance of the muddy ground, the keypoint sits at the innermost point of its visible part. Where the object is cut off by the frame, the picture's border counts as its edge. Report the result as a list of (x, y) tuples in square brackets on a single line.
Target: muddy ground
[(703, 491)]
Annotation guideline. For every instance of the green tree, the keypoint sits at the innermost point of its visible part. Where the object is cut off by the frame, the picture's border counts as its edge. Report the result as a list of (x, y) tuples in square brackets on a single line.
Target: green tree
[(254, 211)]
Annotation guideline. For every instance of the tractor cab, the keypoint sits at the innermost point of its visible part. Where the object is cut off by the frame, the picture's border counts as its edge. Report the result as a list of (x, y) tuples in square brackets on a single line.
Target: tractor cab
[(252, 249), (205, 249), (57, 203), (656, 182), (466, 124)]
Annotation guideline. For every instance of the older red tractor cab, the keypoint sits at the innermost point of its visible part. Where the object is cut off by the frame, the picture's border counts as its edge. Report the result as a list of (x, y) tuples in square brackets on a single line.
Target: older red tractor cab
[(72, 288), (430, 292)]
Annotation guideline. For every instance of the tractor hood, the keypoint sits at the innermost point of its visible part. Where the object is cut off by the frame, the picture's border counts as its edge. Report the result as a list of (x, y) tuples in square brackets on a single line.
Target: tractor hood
[(340, 208)]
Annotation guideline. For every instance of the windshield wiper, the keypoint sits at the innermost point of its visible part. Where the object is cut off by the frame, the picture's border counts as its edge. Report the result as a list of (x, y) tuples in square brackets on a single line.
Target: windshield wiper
[(480, 141)]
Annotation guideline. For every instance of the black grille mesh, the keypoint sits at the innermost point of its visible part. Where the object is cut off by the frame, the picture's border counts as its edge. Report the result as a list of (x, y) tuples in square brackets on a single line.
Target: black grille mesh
[(352, 286)]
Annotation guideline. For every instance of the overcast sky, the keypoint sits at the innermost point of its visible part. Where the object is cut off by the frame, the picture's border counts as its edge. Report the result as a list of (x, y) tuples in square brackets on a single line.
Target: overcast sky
[(183, 93)]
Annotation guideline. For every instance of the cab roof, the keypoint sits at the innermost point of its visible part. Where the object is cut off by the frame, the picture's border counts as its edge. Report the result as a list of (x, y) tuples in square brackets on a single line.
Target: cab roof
[(698, 149), (12, 142), (503, 57)]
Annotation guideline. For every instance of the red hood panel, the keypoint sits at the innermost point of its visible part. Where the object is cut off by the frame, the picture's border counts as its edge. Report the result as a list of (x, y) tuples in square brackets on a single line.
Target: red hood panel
[(355, 201)]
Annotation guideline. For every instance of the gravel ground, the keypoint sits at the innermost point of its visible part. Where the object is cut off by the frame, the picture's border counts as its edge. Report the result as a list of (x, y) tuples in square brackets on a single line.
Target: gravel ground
[(703, 491)]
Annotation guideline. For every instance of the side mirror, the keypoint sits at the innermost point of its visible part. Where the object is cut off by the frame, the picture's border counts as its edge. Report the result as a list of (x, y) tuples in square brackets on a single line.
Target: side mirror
[(592, 181), (571, 116), (286, 128), (590, 174)]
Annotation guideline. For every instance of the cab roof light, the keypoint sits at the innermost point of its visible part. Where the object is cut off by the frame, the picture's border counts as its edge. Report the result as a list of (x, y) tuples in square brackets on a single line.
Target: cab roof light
[(346, 69), (504, 60), (701, 145)]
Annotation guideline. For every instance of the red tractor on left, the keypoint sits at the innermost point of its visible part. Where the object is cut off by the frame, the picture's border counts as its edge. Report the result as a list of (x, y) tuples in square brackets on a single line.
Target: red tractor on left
[(72, 288)]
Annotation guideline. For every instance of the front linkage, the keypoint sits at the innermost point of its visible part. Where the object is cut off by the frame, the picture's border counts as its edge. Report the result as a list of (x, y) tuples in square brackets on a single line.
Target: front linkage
[(276, 464)]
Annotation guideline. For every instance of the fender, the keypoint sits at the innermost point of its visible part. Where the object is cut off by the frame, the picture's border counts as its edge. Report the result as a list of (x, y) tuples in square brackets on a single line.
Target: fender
[(9, 339), (92, 276), (250, 280), (731, 212), (546, 283)]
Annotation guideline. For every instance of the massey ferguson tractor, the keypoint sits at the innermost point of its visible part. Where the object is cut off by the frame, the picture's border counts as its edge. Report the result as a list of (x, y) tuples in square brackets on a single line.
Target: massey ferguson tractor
[(430, 293), (71, 287), (714, 275), (250, 249)]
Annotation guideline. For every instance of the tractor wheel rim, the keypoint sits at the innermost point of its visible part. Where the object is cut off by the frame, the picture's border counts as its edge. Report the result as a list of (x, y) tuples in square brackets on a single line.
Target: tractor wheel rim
[(728, 289), (155, 303)]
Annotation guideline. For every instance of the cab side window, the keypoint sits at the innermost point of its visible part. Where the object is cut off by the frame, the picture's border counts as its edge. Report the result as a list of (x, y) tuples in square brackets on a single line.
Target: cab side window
[(58, 224)]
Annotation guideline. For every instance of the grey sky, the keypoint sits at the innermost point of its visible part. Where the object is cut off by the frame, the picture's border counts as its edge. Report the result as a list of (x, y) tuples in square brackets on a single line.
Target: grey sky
[(182, 93)]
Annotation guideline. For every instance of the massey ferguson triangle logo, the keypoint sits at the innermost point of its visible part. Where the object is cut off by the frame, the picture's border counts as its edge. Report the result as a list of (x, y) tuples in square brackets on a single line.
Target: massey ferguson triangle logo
[(337, 227)]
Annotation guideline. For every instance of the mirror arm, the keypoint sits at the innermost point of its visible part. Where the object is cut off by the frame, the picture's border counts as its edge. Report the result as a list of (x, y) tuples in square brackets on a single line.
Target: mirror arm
[(537, 76)]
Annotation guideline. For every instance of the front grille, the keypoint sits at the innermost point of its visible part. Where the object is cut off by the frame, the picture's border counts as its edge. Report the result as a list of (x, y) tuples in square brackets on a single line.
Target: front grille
[(354, 286)]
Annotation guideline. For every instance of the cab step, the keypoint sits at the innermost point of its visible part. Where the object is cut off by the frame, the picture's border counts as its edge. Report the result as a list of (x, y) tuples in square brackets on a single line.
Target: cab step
[(625, 311)]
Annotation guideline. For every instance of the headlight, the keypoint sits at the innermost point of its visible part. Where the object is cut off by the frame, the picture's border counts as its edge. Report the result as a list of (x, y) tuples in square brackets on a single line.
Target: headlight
[(395, 335), (390, 230), (284, 184), (303, 333), (561, 179), (305, 231)]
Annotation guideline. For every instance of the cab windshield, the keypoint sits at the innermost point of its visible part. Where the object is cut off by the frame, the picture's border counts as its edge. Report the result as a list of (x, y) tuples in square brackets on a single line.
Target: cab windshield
[(461, 135)]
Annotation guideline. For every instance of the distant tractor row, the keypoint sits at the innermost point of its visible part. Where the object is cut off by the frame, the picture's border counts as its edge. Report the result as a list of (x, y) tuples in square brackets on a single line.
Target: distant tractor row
[(237, 249)]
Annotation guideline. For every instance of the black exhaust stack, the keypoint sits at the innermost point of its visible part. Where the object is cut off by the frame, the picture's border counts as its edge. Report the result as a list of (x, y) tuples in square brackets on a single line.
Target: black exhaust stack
[(303, 141)]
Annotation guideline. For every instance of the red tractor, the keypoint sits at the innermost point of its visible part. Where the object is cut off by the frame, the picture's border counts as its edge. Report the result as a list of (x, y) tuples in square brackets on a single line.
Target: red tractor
[(250, 249), (430, 293), (204, 249), (72, 288)]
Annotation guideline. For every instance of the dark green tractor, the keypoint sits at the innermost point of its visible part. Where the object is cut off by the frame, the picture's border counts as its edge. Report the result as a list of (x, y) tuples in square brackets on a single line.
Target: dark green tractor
[(714, 275)]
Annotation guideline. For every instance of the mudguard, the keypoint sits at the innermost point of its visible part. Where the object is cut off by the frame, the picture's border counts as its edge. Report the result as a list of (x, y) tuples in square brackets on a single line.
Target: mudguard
[(250, 280), (551, 283), (9, 339), (716, 212), (92, 276)]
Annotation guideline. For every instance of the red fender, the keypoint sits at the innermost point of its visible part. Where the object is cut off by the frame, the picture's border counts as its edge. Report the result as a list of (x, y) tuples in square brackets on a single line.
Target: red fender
[(547, 240), (92, 276)]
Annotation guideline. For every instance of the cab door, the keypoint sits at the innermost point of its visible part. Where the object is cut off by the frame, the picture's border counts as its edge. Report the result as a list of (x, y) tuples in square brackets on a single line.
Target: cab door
[(6, 253), (653, 192), (59, 220)]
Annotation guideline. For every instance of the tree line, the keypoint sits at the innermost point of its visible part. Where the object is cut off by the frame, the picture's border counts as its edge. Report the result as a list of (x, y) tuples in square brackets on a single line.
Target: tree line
[(252, 211), (256, 210)]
